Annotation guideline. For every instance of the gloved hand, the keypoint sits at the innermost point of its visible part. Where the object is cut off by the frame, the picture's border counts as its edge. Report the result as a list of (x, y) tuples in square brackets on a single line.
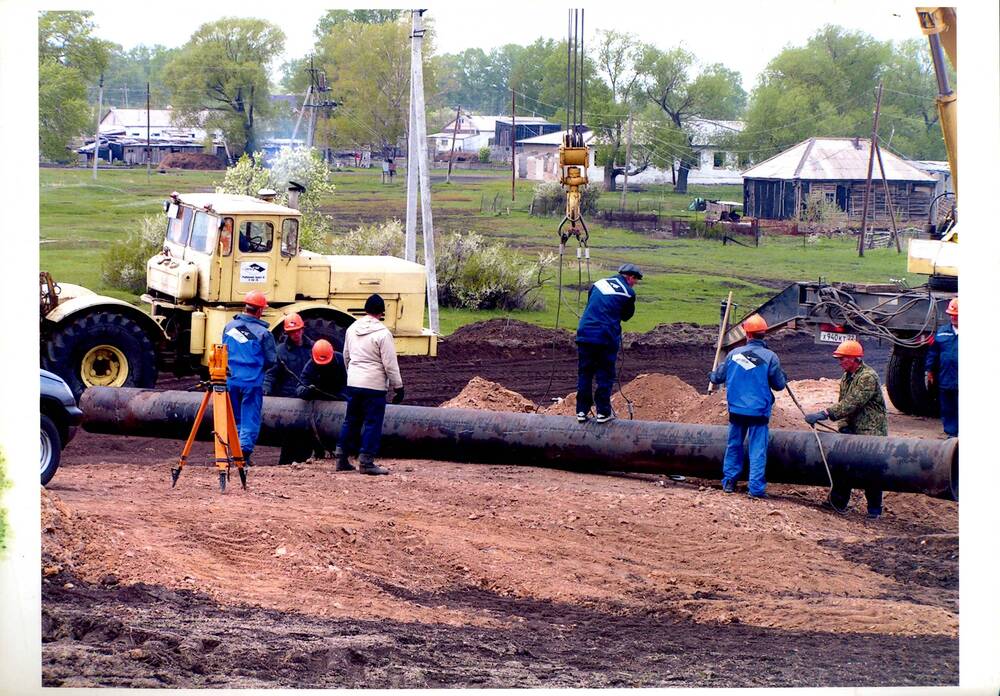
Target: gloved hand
[(814, 418), (397, 397), (928, 379)]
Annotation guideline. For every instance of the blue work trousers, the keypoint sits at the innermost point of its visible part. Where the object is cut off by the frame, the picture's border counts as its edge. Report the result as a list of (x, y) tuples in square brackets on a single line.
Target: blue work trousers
[(754, 439), (949, 411), (247, 404), (595, 362), (362, 429)]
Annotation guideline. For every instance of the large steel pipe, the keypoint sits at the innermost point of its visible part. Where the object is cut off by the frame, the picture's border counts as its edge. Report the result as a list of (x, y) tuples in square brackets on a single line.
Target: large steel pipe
[(890, 463)]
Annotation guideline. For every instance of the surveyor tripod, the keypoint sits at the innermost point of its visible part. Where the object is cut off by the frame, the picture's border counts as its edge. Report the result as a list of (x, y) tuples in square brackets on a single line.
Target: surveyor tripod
[(225, 435)]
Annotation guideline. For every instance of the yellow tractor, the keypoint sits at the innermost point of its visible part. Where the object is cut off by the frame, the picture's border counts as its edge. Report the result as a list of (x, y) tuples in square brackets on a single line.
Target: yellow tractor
[(216, 248)]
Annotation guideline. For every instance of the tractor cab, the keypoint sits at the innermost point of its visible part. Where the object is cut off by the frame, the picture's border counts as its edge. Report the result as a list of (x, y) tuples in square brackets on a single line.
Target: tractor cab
[(219, 246)]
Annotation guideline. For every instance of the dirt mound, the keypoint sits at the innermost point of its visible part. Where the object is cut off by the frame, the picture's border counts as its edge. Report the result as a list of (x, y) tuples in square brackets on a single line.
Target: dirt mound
[(483, 395), (686, 333), (190, 160), (59, 539), (659, 397), (510, 333)]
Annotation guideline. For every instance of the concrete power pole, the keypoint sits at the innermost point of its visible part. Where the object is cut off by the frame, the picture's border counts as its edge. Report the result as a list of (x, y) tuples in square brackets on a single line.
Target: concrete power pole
[(628, 158), (97, 127), (418, 130)]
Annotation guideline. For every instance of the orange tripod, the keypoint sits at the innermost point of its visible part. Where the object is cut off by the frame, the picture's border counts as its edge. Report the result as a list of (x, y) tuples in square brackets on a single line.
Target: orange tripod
[(227, 439)]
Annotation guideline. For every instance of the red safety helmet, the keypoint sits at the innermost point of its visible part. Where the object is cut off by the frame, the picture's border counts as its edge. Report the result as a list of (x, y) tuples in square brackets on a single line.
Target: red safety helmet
[(255, 298), (293, 322), (754, 324), (849, 349), (952, 308), (322, 352)]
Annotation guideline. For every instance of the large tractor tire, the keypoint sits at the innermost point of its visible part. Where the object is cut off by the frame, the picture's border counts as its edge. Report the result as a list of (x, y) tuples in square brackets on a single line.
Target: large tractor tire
[(105, 349), (897, 381), (330, 328)]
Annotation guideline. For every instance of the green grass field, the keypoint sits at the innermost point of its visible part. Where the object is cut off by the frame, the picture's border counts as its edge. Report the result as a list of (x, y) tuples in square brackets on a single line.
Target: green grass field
[(685, 278)]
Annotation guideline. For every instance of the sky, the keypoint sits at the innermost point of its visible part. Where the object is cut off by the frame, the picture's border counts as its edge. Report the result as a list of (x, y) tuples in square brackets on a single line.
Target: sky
[(746, 37)]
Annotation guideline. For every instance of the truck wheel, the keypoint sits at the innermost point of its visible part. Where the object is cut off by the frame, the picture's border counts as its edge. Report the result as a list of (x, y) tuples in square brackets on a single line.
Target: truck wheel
[(51, 449), (925, 401), (897, 381), (330, 329), (103, 349)]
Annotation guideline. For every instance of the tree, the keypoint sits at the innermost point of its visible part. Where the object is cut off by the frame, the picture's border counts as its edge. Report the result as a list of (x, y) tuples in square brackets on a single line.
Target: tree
[(333, 18), (128, 72), (367, 68), (219, 78), (715, 92), (909, 121), (825, 88), (68, 58)]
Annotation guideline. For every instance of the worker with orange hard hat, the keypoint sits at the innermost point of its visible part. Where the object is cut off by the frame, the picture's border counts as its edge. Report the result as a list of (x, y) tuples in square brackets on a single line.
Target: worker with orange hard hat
[(251, 351), (750, 373), (282, 379), (941, 368), (862, 409)]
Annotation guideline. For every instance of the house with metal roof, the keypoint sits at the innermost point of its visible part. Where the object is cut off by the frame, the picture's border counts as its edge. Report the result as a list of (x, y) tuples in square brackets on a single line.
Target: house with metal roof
[(833, 172)]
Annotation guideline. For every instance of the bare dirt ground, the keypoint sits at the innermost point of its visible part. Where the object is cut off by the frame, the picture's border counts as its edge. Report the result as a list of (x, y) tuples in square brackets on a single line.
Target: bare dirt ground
[(446, 574)]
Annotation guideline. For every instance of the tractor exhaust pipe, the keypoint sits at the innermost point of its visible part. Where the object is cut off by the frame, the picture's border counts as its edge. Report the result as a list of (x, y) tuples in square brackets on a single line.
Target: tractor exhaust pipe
[(890, 463)]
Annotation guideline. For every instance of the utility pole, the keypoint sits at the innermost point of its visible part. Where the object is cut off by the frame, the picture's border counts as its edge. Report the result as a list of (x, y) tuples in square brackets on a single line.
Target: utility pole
[(412, 163), (888, 198), (513, 137), (454, 134), (97, 127), (871, 162), (419, 124), (305, 102), (149, 149), (628, 158)]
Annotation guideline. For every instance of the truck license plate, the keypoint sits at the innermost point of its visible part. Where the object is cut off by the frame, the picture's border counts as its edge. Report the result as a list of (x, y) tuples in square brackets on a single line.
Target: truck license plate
[(833, 337)]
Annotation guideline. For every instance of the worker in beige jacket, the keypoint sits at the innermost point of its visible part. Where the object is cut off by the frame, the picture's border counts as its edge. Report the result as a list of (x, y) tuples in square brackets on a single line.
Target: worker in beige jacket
[(372, 369)]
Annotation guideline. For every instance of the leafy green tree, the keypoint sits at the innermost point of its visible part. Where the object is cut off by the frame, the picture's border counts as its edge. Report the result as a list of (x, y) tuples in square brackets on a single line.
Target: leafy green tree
[(909, 121), (681, 95), (69, 57), (128, 72), (367, 68), (824, 88), (333, 18), (222, 71)]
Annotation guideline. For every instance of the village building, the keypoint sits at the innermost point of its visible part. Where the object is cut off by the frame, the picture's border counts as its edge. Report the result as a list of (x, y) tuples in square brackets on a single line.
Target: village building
[(471, 133), (538, 156), (127, 134), (832, 172)]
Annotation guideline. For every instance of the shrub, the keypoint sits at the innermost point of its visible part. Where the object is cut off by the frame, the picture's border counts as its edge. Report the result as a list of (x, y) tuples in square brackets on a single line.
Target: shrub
[(484, 154), (549, 197), (124, 263), (385, 239)]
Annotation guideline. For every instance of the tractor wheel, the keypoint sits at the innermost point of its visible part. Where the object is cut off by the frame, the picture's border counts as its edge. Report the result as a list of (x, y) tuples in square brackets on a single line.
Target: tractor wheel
[(51, 449), (897, 381), (332, 330), (925, 401), (103, 349)]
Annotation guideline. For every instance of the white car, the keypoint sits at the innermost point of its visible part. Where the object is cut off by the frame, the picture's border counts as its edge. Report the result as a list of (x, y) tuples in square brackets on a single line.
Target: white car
[(60, 417)]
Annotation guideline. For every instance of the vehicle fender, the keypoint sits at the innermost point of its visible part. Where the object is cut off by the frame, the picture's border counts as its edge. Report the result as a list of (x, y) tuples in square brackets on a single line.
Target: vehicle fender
[(89, 302)]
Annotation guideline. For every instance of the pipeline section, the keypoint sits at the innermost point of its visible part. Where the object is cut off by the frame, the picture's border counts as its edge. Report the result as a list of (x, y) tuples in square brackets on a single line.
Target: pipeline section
[(462, 435)]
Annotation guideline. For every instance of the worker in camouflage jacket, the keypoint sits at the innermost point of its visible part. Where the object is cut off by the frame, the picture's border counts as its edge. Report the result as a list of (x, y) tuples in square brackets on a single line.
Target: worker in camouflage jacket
[(862, 408), (294, 352)]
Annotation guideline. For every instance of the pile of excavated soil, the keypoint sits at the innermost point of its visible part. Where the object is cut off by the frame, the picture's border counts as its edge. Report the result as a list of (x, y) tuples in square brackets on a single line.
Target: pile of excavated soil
[(510, 333), (191, 160), (483, 395)]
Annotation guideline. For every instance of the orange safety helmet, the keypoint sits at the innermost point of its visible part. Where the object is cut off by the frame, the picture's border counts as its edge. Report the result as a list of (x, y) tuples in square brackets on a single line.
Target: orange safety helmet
[(255, 298), (849, 349), (952, 307), (754, 324), (322, 352), (293, 322)]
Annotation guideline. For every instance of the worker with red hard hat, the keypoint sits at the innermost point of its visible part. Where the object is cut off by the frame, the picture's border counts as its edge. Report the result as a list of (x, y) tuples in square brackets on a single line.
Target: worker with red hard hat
[(251, 352), (282, 379), (941, 368), (324, 376), (750, 373), (862, 408)]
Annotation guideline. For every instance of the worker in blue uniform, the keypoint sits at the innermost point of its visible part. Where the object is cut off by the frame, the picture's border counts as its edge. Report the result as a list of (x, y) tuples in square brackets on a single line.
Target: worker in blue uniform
[(941, 368), (251, 351), (750, 373), (598, 337)]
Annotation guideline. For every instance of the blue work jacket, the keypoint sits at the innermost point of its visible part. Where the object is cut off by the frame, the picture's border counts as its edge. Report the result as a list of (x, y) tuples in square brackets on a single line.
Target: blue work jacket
[(251, 350), (750, 373), (609, 302), (942, 358)]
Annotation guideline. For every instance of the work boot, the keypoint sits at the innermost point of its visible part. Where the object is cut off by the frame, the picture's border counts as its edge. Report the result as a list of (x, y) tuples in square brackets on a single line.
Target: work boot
[(343, 464), (368, 466), (246, 460), (728, 487), (758, 496)]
